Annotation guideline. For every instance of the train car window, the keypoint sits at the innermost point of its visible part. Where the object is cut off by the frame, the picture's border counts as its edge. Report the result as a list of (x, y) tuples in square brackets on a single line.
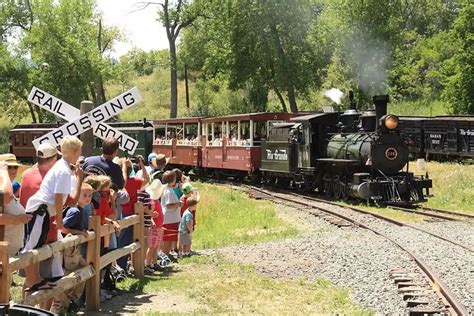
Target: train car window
[(17, 139), (25, 139)]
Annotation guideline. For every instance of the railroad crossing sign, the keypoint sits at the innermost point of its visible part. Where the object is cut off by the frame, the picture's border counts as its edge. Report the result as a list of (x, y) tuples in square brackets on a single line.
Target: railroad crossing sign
[(78, 124)]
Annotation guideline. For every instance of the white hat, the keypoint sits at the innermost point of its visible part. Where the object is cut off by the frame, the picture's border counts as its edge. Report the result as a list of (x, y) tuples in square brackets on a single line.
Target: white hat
[(155, 189), (46, 150)]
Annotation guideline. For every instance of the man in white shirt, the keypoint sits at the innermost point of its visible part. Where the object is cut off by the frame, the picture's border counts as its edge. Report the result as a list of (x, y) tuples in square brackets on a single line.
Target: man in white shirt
[(46, 206)]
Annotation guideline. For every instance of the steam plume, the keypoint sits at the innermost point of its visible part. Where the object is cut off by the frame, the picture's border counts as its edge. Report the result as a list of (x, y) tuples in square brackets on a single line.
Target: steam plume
[(334, 94)]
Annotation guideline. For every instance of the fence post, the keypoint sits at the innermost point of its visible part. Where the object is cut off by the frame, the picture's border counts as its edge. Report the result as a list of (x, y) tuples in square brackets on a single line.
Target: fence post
[(93, 257), (5, 281), (139, 235)]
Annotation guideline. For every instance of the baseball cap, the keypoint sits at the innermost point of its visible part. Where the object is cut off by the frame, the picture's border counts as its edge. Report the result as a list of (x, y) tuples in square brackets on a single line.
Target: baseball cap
[(46, 150), (151, 156), (187, 188)]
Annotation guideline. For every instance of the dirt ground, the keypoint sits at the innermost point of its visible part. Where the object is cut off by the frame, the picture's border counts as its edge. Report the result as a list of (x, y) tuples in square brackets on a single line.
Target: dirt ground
[(162, 302)]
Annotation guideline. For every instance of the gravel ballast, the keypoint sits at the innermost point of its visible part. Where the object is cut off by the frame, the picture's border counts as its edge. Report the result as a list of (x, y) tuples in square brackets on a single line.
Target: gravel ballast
[(350, 257)]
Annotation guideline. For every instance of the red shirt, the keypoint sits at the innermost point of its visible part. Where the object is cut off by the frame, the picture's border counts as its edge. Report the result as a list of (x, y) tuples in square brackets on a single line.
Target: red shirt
[(30, 183), (156, 206), (132, 185), (104, 209)]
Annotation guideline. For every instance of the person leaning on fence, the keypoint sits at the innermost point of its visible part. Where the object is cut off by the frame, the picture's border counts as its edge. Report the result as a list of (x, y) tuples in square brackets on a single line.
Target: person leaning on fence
[(48, 203), (13, 217), (73, 224), (186, 228), (46, 157), (171, 216), (132, 186)]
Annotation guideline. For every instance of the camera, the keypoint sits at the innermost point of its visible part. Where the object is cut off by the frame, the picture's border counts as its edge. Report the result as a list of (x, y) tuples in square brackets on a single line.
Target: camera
[(136, 159)]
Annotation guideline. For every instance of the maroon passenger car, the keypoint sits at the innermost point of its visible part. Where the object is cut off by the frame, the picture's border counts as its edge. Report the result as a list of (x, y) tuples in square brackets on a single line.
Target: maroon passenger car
[(231, 144)]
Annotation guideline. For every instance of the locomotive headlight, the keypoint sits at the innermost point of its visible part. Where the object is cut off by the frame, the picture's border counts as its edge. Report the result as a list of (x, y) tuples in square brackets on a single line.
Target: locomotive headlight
[(390, 121)]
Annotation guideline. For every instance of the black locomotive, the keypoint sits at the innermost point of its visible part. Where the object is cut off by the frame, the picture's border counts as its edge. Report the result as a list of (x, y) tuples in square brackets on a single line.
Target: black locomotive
[(355, 154)]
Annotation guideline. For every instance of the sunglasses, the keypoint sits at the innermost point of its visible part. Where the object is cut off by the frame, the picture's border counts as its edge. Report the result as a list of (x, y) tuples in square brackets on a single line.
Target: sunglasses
[(13, 167)]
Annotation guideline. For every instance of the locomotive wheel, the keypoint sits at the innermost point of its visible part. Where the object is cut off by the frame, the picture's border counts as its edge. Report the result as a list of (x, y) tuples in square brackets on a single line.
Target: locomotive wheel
[(345, 189), (337, 187), (328, 187)]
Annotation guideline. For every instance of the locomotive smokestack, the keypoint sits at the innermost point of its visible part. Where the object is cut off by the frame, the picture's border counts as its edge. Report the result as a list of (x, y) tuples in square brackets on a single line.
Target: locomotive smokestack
[(352, 101), (380, 102)]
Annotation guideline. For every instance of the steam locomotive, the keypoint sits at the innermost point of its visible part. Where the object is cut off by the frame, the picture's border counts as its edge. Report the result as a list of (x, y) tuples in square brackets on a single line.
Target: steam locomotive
[(355, 154)]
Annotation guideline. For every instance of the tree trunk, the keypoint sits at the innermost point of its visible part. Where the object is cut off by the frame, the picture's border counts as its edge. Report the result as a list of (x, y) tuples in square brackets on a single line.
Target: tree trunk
[(100, 90), (282, 101), (291, 97), (287, 72), (174, 81), (32, 112), (186, 85)]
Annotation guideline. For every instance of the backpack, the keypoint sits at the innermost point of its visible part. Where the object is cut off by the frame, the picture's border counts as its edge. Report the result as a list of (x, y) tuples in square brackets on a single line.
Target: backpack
[(111, 277)]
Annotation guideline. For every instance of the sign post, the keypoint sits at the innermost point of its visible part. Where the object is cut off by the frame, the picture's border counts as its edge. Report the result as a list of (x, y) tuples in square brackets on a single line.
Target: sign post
[(88, 136)]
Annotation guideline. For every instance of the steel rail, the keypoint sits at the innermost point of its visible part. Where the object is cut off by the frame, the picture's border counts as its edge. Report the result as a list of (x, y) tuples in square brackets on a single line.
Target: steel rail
[(425, 213), (388, 219), (438, 210), (454, 305)]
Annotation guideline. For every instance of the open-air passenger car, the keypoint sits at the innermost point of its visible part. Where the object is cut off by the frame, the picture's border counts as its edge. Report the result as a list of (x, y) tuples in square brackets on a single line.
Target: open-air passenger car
[(179, 139), (231, 143)]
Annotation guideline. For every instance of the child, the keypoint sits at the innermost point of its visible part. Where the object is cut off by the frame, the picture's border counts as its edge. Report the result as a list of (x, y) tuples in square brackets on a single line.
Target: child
[(188, 191), (153, 238), (104, 209), (186, 228), (171, 216), (73, 223), (46, 207)]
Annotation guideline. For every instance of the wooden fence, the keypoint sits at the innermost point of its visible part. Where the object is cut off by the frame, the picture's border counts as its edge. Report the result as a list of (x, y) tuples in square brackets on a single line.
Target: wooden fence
[(90, 273)]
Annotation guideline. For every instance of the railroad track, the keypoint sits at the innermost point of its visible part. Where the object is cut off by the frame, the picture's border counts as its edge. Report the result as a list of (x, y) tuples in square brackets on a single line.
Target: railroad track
[(437, 213), (453, 305)]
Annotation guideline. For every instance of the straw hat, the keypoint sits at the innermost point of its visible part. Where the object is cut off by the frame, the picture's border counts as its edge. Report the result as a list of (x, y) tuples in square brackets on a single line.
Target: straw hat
[(160, 161), (10, 161), (155, 189)]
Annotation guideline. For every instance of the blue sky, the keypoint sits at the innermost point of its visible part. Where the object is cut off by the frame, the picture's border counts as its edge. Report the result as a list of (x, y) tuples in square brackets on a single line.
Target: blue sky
[(140, 27)]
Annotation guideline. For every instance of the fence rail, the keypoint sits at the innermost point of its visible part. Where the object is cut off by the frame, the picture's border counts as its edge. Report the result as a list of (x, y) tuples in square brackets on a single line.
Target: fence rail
[(90, 273)]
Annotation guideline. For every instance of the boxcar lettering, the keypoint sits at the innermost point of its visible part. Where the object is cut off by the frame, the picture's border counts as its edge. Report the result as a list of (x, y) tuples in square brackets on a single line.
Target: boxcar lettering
[(466, 132), (72, 129), (58, 135)]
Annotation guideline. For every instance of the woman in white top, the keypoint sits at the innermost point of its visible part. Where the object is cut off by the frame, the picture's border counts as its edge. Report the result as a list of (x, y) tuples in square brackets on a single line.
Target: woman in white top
[(13, 217)]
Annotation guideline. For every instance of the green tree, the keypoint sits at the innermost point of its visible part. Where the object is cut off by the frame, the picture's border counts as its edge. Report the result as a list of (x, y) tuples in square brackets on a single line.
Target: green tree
[(460, 85)]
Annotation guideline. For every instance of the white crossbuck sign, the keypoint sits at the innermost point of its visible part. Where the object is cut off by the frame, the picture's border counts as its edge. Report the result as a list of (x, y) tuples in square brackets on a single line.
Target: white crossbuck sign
[(78, 124)]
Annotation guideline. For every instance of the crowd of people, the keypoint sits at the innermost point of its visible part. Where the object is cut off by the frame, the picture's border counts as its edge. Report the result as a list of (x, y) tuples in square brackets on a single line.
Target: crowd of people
[(57, 196)]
